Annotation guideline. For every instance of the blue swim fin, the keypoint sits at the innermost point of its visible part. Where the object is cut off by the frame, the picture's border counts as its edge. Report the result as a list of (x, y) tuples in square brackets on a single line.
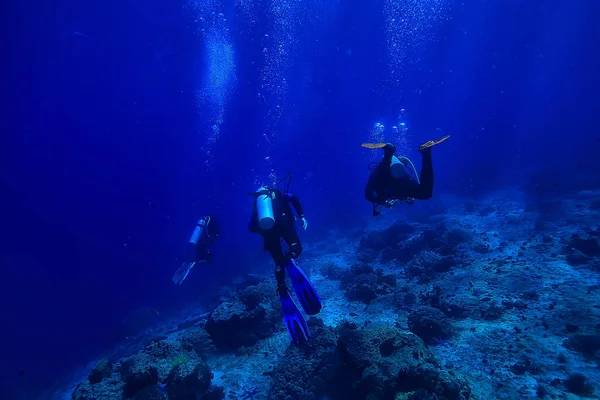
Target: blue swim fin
[(183, 272), (305, 291), (294, 321)]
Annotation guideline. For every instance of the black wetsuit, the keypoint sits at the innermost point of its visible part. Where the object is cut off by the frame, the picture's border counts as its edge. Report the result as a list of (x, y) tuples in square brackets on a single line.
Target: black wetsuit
[(382, 186), (284, 228)]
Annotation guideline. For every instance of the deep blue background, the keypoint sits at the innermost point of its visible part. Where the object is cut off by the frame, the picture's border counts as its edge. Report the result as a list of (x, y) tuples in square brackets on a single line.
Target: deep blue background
[(102, 175)]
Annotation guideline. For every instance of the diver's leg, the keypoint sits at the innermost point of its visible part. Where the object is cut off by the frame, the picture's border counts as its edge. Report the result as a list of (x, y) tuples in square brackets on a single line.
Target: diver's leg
[(273, 245), (290, 235), (426, 175), (203, 254)]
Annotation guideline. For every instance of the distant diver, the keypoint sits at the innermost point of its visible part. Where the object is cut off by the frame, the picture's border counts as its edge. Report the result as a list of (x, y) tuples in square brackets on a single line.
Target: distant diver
[(205, 234), (273, 219), (391, 182)]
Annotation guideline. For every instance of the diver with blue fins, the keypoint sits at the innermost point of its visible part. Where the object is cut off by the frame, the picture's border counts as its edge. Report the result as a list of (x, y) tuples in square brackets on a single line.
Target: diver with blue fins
[(205, 234), (273, 219), (390, 180)]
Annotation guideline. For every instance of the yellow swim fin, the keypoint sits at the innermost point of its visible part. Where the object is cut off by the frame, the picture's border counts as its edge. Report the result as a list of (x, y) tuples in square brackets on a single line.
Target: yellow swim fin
[(373, 145), (432, 143)]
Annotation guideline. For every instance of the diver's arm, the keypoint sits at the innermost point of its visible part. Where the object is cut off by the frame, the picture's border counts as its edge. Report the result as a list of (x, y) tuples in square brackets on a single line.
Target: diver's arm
[(296, 203)]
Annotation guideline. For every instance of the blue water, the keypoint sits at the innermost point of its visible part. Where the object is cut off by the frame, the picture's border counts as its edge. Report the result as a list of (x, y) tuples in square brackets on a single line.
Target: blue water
[(124, 122)]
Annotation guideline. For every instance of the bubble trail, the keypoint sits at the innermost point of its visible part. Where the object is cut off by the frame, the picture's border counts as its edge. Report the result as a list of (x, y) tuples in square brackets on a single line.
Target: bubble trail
[(410, 26), (217, 77)]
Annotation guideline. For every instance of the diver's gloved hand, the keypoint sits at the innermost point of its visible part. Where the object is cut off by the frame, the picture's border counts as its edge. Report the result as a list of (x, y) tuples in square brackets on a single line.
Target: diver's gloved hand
[(304, 223)]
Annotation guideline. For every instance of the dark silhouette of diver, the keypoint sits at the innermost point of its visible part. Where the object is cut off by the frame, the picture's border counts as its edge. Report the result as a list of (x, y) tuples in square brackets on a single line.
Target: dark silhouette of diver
[(283, 228), (203, 237), (390, 182), (273, 219), (200, 252)]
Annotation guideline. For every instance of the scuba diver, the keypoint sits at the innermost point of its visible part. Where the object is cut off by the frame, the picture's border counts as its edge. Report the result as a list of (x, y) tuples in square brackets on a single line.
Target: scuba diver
[(205, 234), (272, 218), (390, 182)]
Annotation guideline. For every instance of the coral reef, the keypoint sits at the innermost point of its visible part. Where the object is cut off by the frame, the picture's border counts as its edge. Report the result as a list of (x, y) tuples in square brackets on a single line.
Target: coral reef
[(364, 284), (489, 299), (429, 323), (175, 363), (371, 363), (251, 316), (102, 369)]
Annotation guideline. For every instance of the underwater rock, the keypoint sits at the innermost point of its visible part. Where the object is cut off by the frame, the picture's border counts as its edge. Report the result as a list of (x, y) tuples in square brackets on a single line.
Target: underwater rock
[(364, 284), (526, 364), (193, 320), (136, 381), (492, 312), (398, 232), (452, 386), (160, 349), (456, 304), (589, 246), (437, 239), (233, 324), (248, 280), (333, 271), (110, 388), (150, 393), (254, 295), (403, 352), (482, 248), (368, 255), (189, 380), (432, 296), (458, 236), (214, 393), (387, 241), (137, 376), (576, 258), (391, 361), (579, 384), (429, 323), (160, 355), (102, 369), (588, 345), (427, 265), (363, 288), (374, 240), (357, 364), (309, 370), (198, 340)]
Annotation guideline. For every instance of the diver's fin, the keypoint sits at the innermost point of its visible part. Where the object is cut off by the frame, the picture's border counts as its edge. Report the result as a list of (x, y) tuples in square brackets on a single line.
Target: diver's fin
[(305, 291), (373, 145), (294, 321), (432, 143), (183, 272)]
